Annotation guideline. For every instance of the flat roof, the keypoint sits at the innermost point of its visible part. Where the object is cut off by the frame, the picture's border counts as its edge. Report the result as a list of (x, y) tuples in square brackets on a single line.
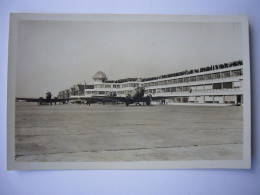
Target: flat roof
[(185, 72)]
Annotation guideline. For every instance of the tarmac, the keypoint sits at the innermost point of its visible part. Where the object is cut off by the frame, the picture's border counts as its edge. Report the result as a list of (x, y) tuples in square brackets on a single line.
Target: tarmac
[(81, 133)]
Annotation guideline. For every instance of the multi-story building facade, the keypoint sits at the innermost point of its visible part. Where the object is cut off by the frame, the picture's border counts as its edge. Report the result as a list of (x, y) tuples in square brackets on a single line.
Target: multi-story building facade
[(75, 91), (221, 84)]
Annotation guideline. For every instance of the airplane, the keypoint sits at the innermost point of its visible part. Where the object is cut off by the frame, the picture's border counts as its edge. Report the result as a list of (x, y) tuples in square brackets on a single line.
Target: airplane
[(48, 100), (136, 96), (42, 101)]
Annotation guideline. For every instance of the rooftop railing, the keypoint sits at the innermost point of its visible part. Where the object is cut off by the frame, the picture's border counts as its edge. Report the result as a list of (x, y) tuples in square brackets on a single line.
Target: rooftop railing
[(185, 72)]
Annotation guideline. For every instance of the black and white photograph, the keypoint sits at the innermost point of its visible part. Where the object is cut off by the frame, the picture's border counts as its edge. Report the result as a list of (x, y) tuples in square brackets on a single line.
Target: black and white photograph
[(128, 92)]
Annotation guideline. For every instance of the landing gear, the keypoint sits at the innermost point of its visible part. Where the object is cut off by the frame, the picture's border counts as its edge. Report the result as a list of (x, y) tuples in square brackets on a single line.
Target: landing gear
[(40, 102), (138, 103), (148, 103), (127, 103), (148, 100), (163, 102)]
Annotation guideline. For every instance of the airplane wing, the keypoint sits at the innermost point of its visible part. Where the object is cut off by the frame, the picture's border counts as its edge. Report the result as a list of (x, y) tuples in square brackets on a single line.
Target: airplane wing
[(29, 99), (91, 99), (109, 98), (156, 98), (40, 100), (124, 99)]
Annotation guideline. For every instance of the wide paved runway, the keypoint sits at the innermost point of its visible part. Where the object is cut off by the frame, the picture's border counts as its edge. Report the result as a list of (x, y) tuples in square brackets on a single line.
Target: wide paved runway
[(134, 133)]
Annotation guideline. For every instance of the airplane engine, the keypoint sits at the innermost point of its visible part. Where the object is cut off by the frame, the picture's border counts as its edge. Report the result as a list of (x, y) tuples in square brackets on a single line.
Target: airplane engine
[(128, 99)]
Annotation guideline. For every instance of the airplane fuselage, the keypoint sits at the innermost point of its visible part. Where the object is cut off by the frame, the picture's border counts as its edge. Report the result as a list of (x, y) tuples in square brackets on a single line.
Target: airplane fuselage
[(136, 96)]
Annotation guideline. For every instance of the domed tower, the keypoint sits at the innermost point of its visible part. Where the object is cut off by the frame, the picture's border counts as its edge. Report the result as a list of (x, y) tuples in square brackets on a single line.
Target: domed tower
[(100, 77)]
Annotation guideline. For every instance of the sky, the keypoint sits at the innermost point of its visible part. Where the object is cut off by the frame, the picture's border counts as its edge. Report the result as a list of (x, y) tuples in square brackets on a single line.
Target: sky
[(55, 55)]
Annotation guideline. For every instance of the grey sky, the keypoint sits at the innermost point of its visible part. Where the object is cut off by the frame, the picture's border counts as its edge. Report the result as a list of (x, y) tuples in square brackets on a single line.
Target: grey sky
[(55, 55)]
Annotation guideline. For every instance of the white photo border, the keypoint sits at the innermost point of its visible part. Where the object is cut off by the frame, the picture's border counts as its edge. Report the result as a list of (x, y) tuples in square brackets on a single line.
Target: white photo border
[(245, 163)]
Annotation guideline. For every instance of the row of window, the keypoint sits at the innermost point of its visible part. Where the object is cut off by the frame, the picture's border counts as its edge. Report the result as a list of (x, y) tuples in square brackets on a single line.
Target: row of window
[(130, 85), (107, 92), (117, 86), (102, 86), (226, 85), (97, 92), (214, 86), (226, 74), (209, 99)]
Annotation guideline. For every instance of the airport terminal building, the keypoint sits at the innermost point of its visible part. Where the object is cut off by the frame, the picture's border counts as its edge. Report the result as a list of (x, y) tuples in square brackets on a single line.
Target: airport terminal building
[(216, 84)]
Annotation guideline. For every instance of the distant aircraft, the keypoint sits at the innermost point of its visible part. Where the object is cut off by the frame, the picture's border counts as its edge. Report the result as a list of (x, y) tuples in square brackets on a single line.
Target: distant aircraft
[(136, 96), (43, 101), (48, 100)]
